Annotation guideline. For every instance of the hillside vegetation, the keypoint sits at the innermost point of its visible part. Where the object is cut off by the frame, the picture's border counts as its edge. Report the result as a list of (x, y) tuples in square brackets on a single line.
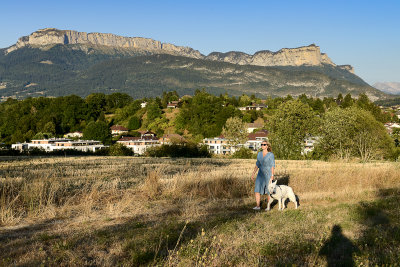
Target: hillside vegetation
[(127, 211), (60, 70)]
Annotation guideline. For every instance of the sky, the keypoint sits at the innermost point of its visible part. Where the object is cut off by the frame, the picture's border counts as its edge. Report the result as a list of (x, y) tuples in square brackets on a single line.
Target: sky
[(364, 34)]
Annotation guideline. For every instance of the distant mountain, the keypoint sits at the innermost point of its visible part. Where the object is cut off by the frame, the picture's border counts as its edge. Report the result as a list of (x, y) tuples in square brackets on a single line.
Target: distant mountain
[(53, 62), (392, 88)]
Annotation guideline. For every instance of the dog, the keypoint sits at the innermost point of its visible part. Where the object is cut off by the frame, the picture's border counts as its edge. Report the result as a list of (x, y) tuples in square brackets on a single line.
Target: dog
[(280, 193)]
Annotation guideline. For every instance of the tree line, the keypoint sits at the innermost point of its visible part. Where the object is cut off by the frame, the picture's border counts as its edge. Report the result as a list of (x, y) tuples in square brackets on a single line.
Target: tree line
[(346, 126)]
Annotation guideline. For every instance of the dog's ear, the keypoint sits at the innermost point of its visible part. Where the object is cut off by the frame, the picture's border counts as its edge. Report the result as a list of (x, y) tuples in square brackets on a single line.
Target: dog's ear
[(275, 182)]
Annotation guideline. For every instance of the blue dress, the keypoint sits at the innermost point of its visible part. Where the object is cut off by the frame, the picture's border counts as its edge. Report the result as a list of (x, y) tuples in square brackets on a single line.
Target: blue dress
[(264, 165)]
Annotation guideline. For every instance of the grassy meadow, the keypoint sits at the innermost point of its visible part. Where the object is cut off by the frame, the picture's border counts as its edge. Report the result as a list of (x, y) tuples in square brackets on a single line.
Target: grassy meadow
[(89, 211)]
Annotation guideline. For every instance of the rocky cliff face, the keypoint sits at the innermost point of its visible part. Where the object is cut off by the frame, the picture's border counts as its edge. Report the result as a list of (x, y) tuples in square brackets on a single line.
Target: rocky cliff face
[(53, 36), (307, 55)]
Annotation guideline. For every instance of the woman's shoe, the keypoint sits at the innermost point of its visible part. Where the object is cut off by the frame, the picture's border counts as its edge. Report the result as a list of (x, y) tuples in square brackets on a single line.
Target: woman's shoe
[(256, 208)]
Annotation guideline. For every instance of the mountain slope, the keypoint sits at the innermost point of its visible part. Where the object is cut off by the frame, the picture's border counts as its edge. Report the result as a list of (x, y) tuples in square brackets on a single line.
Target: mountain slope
[(388, 87), (52, 62)]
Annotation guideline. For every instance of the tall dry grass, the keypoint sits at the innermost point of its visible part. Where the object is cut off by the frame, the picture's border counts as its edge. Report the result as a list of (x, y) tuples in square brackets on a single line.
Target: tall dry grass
[(145, 198), (47, 188)]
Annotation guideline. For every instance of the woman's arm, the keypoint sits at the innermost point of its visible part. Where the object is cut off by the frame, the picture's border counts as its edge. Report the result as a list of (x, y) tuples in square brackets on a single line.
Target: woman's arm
[(272, 174)]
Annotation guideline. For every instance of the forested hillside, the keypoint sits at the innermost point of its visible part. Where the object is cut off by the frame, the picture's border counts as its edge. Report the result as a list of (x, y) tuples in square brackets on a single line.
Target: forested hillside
[(59, 70)]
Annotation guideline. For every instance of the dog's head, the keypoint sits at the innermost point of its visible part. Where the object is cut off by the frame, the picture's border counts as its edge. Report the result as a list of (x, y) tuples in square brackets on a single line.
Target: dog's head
[(271, 187)]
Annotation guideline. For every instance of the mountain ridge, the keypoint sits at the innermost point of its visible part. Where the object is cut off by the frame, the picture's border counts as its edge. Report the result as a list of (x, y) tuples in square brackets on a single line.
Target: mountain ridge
[(392, 88), (53, 62), (304, 55)]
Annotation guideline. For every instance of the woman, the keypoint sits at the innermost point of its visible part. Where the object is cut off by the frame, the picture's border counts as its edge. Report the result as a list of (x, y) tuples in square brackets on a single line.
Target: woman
[(266, 164)]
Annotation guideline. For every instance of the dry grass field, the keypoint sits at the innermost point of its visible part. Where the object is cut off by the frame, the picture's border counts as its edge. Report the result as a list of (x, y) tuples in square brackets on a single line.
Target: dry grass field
[(98, 211)]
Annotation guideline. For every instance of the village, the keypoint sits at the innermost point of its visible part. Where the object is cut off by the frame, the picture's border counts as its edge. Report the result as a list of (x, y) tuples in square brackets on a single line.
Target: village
[(219, 145)]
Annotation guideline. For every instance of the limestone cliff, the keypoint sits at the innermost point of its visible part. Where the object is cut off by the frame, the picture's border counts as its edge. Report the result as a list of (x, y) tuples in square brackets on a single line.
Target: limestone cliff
[(53, 36), (306, 55), (301, 56)]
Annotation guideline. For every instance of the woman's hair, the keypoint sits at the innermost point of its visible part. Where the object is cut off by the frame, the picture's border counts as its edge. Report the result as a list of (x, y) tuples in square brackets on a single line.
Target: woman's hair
[(269, 147)]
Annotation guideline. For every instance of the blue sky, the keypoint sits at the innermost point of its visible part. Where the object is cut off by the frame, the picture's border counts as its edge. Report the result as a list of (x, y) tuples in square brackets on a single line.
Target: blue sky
[(364, 34)]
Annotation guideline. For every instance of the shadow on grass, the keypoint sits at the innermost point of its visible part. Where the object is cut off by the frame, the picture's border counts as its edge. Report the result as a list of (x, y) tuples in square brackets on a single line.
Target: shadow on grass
[(141, 241), (338, 249), (380, 241), (13, 242)]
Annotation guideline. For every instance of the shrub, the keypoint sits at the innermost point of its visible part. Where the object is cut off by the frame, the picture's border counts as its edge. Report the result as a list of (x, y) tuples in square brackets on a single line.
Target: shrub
[(186, 150), (119, 150), (243, 153)]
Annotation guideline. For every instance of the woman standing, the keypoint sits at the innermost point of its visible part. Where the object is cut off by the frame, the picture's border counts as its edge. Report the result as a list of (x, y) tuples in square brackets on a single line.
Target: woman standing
[(266, 165)]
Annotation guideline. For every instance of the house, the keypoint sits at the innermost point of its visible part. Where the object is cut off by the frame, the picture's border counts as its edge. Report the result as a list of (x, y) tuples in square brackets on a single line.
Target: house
[(80, 145), (253, 107), (253, 126), (118, 130), (173, 104), (218, 145), (20, 146), (146, 134), (390, 126), (171, 138), (54, 144), (254, 140), (73, 135), (139, 145), (143, 104), (46, 144), (309, 144)]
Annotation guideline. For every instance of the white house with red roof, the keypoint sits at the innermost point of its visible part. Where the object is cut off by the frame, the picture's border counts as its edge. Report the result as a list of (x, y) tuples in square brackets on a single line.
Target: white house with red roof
[(118, 130), (253, 126), (254, 140), (139, 145)]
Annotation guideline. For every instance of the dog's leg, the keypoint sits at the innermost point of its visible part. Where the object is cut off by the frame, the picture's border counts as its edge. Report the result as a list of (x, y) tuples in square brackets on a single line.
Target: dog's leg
[(279, 202), (293, 199), (283, 203), (269, 203)]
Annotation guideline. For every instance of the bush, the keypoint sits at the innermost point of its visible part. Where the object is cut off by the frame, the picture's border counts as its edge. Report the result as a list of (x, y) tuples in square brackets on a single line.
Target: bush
[(134, 123), (186, 150), (243, 153), (119, 150)]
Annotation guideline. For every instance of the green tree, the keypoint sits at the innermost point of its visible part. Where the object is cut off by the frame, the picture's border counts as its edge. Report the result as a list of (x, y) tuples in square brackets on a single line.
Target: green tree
[(347, 101), (396, 136), (204, 115), (354, 132), (134, 123), (235, 131), (244, 100), (50, 127), (153, 110), (291, 123), (117, 100), (119, 150), (98, 131), (96, 104)]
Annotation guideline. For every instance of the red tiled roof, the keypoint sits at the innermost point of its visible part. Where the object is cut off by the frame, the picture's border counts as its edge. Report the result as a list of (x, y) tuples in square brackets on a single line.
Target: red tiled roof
[(118, 128), (129, 138), (253, 136)]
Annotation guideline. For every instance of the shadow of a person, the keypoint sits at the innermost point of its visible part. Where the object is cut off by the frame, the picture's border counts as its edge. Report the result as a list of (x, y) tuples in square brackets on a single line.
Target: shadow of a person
[(338, 249)]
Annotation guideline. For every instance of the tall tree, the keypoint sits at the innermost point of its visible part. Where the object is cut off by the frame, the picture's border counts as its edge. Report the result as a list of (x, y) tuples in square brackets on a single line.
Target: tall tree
[(290, 125), (354, 132), (235, 131), (98, 131)]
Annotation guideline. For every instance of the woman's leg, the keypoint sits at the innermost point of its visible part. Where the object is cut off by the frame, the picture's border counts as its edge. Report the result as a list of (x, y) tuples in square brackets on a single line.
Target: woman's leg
[(258, 199)]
